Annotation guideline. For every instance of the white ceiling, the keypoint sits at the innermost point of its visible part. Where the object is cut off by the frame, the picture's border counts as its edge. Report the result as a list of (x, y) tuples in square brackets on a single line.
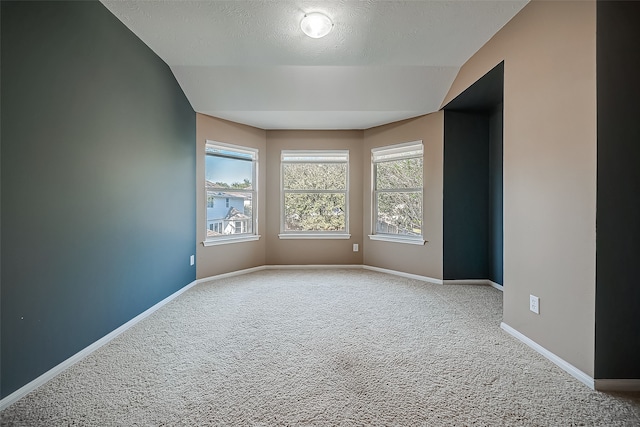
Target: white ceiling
[(249, 62)]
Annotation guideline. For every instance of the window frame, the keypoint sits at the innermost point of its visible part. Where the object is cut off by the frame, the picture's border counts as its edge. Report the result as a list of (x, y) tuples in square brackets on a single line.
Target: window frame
[(395, 152), (295, 157), (243, 152)]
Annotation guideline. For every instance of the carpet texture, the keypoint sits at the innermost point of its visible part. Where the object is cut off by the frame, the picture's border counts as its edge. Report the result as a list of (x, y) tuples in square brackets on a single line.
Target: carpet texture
[(325, 348)]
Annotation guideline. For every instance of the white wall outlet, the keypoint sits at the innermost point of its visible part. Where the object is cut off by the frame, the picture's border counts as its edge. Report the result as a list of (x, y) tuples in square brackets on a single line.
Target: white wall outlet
[(355, 247), (192, 259), (534, 304)]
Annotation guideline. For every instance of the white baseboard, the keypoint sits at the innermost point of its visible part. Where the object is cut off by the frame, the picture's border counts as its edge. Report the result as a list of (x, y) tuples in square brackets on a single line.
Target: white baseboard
[(321, 267), (473, 282), (231, 274), (402, 274), (561, 363), (617, 385), (498, 286), (51, 373), (313, 266), (465, 282), (279, 267)]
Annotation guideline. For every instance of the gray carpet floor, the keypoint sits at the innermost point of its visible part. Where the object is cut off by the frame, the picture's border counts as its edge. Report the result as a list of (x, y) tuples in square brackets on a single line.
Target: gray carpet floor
[(323, 348)]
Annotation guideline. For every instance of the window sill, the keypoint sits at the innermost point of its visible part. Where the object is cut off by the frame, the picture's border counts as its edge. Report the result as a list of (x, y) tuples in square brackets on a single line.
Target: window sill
[(228, 240), (408, 240), (314, 236)]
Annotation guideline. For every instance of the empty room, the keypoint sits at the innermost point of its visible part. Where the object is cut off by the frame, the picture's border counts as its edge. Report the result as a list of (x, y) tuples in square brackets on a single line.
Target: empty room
[(262, 212)]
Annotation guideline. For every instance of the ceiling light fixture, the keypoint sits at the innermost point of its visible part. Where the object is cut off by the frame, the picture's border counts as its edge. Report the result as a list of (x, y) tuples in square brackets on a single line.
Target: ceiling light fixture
[(316, 25)]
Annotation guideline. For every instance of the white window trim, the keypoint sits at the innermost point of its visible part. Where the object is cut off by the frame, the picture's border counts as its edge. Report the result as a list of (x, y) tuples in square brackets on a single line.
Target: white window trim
[(307, 156), (237, 238), (411, 240), (223, 240), (399, 150), (314, 235)]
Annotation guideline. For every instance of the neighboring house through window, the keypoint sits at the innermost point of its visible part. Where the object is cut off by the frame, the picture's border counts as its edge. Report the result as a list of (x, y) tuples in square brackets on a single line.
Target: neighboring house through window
[(398, 193), (230, 185), (315, 194)]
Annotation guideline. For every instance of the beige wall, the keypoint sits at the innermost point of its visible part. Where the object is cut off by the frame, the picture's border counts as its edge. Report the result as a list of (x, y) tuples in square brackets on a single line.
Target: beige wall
[(306, 252), (221, 259), (422, 260), (549, 50)]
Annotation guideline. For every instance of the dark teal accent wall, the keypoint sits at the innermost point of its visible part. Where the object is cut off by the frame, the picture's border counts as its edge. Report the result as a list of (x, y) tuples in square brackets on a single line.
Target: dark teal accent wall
[(98, 182), (495, 202), (466, 196), (473, 230), (618, 196)]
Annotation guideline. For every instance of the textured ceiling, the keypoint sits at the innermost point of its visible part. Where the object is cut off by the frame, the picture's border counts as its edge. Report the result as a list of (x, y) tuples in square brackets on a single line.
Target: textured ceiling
[(248, 61)]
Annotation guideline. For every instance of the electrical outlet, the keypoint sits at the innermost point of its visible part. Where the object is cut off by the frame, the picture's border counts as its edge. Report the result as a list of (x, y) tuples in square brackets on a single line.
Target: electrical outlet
[(355, 247), (534, 304), (192, 259)]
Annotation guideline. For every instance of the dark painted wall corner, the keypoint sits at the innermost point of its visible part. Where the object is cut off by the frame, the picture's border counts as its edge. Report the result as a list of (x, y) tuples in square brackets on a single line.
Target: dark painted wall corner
[(466, 195), (473, 181), (618, 191)]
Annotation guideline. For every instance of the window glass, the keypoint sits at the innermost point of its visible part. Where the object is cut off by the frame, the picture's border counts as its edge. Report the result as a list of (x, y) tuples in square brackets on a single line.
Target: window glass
[(315, 191), (230, 177), (398, 190)]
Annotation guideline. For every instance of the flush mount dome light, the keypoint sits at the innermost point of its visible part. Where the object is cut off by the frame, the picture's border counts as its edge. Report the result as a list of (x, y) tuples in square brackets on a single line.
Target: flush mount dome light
[(316, 25)]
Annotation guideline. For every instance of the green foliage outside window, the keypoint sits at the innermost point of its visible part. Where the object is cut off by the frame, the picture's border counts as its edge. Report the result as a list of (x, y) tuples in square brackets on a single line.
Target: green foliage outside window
[(315, 196), (398, 181)]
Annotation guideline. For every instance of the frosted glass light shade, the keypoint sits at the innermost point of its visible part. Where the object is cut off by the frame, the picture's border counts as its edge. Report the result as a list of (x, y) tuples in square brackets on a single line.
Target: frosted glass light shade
[(316, 25)]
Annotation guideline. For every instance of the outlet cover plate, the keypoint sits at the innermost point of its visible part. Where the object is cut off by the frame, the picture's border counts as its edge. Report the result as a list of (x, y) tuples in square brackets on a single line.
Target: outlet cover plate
[(534, 304)]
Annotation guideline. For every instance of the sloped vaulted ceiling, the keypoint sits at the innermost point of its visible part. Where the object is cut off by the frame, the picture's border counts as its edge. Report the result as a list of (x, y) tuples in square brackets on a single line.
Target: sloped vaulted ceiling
[(249, 62)]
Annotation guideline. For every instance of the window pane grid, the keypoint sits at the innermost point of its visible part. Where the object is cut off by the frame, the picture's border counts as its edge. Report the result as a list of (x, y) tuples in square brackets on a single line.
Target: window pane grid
[(230, 177), (314, 191), (398, 190)]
